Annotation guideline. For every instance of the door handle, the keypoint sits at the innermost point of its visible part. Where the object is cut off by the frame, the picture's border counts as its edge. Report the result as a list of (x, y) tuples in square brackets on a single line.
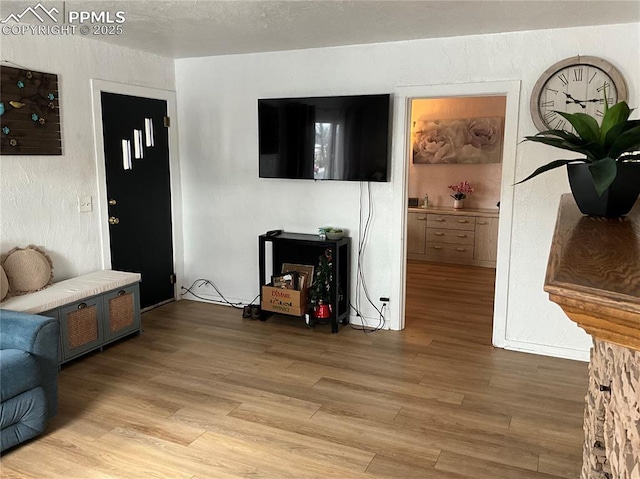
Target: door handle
[(113, 220), (112, 202)]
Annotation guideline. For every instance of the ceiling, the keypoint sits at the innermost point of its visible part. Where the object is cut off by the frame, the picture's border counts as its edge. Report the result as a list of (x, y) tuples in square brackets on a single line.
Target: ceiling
[(191, 28)]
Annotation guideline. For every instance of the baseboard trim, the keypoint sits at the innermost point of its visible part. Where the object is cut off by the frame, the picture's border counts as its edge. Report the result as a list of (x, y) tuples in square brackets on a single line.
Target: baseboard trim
[(369, 323), (547, 350), (154, 306)]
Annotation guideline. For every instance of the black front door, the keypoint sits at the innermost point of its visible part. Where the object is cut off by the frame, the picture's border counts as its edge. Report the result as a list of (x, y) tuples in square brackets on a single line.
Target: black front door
[(136, 149)]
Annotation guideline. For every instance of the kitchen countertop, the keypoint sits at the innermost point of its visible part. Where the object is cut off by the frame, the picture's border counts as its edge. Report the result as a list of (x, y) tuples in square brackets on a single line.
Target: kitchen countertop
[(438, 210)]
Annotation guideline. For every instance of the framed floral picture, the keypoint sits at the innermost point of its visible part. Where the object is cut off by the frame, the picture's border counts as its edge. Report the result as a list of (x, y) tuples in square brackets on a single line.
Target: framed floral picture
[(467, 141)]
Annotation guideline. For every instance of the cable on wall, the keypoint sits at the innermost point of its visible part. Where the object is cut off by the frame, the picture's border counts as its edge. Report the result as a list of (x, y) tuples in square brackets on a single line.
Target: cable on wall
[(361, 282)]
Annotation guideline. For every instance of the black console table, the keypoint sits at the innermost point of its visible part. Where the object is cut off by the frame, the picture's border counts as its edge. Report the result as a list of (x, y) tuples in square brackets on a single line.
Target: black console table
[(301, 248)]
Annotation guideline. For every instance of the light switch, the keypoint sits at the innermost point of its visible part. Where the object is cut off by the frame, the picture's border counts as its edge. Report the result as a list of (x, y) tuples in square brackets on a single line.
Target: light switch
[(85, 204)]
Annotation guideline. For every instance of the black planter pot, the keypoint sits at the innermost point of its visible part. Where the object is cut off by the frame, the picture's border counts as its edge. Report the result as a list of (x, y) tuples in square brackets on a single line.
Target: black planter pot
[(615, 201)]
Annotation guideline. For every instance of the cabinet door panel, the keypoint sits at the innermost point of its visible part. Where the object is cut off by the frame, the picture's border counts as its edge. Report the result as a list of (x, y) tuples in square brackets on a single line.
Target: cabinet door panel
[(486, 244), (416, 231), (121, 312), (80, 326)]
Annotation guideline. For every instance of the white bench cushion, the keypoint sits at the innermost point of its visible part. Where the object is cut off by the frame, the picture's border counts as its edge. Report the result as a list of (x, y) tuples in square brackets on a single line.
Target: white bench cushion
[(70, 291)]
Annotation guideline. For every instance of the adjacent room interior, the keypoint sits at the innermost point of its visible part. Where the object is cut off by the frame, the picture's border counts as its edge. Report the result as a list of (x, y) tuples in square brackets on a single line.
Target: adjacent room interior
[(453, 141)]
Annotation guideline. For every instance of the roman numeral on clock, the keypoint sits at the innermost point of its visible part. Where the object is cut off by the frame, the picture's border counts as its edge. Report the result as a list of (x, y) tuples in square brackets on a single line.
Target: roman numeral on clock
[(577, 74), (550, 115), (547, 104), (563, 79), (604, 85), (560, 125)]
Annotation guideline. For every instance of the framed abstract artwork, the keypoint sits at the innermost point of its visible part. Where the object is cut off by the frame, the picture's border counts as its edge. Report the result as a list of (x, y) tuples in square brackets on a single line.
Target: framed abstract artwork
[(29, 112)]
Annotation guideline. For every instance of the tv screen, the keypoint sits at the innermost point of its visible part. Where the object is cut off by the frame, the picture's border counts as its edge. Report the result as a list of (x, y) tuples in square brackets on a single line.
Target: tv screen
[(325, 138)]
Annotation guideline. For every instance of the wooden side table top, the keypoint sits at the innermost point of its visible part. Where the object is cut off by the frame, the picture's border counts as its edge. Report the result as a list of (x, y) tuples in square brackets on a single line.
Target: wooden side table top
[(593, 272)]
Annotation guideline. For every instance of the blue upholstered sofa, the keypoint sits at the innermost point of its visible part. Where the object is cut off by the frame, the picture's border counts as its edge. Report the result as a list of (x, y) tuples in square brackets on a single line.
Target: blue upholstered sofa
[(28, 375)]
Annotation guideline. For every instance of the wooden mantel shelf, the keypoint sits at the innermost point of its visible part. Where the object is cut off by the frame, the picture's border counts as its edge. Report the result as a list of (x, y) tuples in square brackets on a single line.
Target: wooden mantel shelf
[(594, 273)]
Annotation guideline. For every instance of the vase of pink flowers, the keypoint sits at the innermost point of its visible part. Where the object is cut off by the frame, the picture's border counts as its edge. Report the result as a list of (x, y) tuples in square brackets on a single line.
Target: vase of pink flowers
[(460, 192)]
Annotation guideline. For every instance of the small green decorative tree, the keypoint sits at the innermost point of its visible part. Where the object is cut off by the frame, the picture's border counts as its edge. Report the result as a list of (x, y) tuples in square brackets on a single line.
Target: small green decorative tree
[(321, 288)]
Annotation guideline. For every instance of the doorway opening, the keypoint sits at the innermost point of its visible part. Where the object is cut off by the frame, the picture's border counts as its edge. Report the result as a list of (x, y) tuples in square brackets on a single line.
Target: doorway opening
[(140, 152), (136, 147), (454, 189), (400, 174)]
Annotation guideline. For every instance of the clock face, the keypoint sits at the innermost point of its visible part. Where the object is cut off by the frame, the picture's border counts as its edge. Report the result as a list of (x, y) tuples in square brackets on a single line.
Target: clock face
[(577, 88), (575, 85)]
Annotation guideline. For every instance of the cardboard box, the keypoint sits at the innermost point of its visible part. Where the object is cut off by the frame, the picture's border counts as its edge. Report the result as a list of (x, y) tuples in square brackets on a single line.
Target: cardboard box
[(284, 301)]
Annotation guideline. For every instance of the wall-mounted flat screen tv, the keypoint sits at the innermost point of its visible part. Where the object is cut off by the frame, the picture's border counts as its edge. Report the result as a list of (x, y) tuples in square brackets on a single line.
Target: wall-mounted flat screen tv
[(325, 138)]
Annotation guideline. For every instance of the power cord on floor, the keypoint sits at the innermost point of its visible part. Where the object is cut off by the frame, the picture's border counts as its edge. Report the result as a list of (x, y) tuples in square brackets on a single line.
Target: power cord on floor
[(205, 282), (365, 329)]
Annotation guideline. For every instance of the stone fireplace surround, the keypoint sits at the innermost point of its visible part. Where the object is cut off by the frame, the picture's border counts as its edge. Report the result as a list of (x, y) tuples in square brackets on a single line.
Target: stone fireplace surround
[(594, 275), (612, 414)]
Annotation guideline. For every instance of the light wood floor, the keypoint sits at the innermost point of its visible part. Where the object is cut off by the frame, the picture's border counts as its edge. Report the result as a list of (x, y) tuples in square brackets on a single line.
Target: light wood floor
[(203, 393)]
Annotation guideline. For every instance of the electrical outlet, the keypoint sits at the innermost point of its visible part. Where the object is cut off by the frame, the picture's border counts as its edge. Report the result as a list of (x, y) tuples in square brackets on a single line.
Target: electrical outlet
[(384, 299)]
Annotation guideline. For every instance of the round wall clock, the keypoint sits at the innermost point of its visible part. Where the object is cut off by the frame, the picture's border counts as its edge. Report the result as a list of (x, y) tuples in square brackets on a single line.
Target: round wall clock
[(573, 85)]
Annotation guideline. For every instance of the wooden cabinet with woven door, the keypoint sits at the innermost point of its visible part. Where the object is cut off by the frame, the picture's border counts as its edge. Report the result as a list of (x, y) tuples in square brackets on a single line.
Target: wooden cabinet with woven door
[(121, 312), (81, 327), (96, 321)]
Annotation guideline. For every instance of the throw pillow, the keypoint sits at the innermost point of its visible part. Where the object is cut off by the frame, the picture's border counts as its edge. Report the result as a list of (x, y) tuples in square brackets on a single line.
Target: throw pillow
[(4, 284), (28, 269)]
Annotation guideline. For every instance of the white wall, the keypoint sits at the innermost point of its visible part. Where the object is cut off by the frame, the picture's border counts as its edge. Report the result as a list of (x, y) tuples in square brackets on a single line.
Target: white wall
[(226, 206), (38, 194)]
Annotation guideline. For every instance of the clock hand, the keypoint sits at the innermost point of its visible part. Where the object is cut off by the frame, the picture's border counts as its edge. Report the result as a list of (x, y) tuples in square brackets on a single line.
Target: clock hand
[(578, 102), (573, 100)]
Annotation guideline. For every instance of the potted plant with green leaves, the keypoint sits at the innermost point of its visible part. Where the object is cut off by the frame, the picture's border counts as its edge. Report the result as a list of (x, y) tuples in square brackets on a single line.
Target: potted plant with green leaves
[(606, 182)]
